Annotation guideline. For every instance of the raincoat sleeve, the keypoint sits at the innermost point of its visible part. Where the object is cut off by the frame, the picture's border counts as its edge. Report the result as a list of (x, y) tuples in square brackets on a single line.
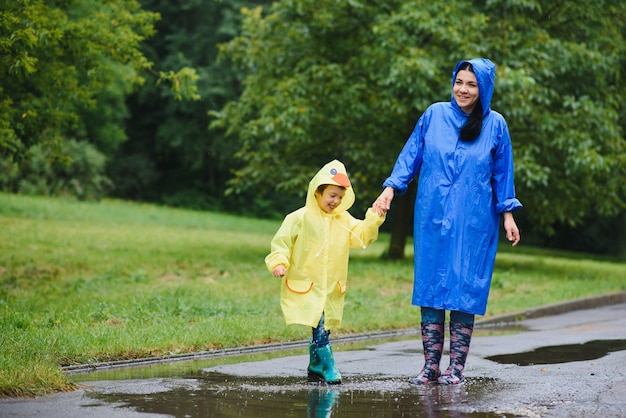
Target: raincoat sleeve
[(282, 242), (364, 232), (502, 178), (409, 160)]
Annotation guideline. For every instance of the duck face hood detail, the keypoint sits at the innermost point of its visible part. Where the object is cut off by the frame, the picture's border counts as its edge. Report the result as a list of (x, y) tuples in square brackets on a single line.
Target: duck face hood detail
[(485, 72), (332, 173)]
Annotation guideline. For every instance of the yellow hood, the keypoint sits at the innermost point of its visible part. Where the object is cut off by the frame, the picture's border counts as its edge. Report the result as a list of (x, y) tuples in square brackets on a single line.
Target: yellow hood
[(332, 173)]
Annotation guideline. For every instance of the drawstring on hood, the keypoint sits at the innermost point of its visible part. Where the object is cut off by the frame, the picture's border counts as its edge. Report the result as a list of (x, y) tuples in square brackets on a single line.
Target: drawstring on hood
[(317, 254)]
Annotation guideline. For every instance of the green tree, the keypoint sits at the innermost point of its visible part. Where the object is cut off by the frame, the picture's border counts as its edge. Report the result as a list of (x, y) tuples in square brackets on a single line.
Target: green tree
[(319, 86), (171, 156), (67, 67), (55, 57), (349, 80), (561, 93)]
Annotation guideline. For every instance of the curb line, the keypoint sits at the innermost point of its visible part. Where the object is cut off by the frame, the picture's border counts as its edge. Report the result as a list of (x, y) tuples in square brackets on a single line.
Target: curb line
[(555, 309), (547, 310)]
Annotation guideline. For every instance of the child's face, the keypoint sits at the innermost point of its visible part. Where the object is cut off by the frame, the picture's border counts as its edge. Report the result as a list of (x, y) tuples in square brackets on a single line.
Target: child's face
[(330, 198)]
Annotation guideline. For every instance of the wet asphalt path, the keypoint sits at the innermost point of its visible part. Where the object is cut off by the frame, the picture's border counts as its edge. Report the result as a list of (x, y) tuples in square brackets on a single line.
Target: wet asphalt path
[(585, 376)]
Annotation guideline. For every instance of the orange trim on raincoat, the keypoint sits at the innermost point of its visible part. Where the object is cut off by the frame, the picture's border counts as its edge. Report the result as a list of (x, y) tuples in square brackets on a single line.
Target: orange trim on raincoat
[(300, 292)]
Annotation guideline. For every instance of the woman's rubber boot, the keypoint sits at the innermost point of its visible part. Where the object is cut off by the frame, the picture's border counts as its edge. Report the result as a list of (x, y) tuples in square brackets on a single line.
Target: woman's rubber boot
[(329, 371), (315, 365), (432, 340), (460, 337)]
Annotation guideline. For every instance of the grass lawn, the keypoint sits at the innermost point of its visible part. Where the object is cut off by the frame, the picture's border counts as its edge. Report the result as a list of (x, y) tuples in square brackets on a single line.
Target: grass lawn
[(84, 282)]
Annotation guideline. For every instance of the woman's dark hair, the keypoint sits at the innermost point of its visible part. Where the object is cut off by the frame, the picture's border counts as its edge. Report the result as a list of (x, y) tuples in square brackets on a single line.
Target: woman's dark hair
[(473, 124)]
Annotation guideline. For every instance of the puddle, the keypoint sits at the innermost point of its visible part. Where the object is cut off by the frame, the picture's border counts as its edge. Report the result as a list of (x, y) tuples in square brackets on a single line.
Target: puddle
[(191, 389), (562, 353), (219, 395)]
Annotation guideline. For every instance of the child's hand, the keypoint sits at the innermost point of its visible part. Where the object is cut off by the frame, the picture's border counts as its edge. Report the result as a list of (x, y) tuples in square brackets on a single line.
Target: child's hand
[(279, 271), (383, 202), (378, 209)]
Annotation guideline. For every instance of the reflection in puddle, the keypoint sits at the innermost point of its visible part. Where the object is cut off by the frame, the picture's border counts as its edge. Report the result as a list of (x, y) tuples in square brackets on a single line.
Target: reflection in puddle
[(562, 353), (189, 389), (219, 395), (320, 403)]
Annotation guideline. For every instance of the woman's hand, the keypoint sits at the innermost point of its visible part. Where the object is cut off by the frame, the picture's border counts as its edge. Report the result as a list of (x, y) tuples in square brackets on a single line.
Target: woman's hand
[(512, 232), (383, 202)]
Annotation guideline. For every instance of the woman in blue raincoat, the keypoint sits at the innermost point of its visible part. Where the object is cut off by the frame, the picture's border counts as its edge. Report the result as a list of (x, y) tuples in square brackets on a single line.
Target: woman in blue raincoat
[(461, 153)]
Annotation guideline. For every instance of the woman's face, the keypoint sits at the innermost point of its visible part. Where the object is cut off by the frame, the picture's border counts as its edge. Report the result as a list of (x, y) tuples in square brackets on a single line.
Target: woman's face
[(466, 90)]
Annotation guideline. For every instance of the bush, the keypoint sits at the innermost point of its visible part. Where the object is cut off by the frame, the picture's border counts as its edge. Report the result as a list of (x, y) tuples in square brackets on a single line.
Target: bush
[(80, 175), (596, 235)]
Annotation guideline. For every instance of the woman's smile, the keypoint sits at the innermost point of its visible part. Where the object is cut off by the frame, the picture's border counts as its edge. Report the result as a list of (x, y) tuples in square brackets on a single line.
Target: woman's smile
[(466, 90)]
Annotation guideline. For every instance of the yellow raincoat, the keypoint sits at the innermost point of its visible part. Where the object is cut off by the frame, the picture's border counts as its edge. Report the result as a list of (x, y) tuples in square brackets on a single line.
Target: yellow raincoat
[(314, 246)]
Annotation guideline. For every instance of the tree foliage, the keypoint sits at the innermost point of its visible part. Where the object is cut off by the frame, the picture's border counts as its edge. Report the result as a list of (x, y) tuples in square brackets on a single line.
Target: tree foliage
[(330, 80), (348, 80), (170, 156), (67, 66), (561, 88), (56, 57), (42, 174)]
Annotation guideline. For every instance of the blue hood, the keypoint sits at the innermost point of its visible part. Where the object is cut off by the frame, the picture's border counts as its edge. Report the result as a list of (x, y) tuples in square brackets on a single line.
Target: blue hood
[(485, 72)]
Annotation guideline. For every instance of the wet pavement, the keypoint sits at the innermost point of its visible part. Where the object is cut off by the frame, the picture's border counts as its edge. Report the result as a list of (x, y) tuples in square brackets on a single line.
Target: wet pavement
[(568, 364)]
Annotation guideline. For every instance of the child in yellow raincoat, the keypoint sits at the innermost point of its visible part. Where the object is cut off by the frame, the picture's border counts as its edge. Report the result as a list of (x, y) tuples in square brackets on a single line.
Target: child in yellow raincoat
[(310, 253)]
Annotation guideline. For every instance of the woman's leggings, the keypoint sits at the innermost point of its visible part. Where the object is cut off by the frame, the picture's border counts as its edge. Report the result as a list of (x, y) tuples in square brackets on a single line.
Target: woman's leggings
[(320, 335), (439, 316)]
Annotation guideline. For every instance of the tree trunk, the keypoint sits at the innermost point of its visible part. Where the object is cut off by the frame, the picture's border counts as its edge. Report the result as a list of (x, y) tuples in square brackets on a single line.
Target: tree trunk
[(402, 222)]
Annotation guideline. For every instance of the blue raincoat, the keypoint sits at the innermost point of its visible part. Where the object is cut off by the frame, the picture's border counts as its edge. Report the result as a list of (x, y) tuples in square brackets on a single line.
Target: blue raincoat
[(463, 187)]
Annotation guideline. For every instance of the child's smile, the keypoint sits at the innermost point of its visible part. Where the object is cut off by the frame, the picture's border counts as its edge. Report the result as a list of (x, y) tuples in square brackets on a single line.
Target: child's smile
[(330, 198)]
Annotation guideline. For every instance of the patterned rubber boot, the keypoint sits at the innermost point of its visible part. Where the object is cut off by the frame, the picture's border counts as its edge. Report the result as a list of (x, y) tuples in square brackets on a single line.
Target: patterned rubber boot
[(460, 337), (315, 365), (432, 340), (329, 372)]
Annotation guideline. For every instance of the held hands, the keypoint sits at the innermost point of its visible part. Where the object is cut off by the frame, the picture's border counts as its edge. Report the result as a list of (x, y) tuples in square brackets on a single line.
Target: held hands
[(383, 202), (512, 232), (279, 271)]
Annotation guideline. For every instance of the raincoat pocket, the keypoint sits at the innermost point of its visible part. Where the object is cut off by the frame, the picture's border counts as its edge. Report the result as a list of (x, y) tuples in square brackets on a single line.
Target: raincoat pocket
[(342, 287), (299, 286)]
